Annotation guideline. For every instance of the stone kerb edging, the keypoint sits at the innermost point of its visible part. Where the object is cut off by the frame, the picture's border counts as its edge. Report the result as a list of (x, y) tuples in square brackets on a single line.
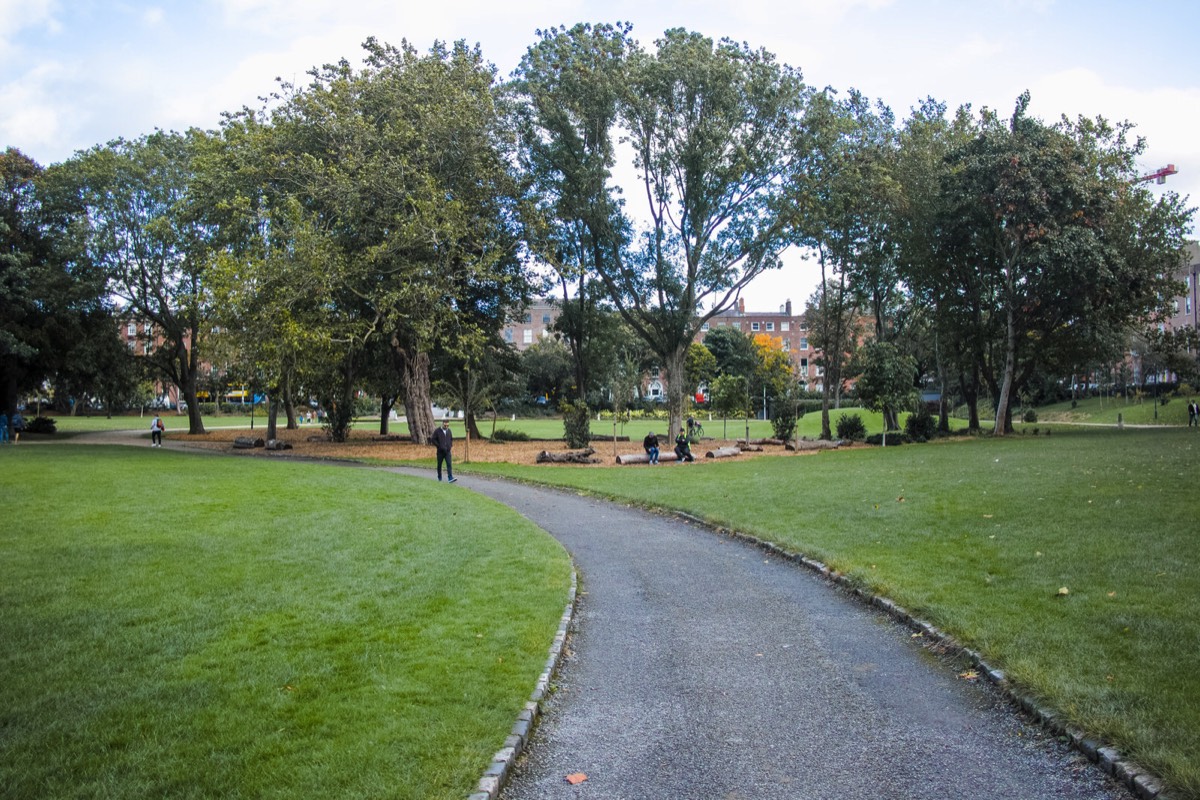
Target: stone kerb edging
[(1142, 783), (497, 772)]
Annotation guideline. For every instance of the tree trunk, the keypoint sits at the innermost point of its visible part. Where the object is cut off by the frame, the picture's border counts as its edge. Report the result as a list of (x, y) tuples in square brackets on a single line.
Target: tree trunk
[(1003, 423), (418, 403), (386, 404), (676, 372), (187, 376), (272, 416)]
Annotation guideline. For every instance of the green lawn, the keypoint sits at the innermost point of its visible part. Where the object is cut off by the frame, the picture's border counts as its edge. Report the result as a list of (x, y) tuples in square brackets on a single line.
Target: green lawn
[(978, 535), (180, 625), (1105, 411)]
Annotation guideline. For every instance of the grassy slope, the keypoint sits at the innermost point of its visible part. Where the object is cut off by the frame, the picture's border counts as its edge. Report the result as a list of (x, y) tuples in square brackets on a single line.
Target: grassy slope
[(978, 536), (183, 626)]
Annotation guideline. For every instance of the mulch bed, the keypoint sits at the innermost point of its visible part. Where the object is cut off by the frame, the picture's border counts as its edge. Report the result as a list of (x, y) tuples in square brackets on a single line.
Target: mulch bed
[(366, 443)]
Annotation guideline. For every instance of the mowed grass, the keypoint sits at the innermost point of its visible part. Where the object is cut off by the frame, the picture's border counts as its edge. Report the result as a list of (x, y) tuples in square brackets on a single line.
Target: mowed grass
[(177, 625), (978, 535)]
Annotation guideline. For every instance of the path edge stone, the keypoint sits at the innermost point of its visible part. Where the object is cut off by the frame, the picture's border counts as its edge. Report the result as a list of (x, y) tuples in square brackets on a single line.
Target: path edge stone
[(497, 772)]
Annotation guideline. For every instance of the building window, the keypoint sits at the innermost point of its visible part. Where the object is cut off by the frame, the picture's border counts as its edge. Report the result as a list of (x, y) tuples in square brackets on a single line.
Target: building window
[(704, 327), (753, 326), (545, 319), (720, 324), (527, 336), (508, 335), (132, 329), (785, 326), (787, 346), (1187, 305), (803, 342), (528, 319), (804, 367), (770, 326)]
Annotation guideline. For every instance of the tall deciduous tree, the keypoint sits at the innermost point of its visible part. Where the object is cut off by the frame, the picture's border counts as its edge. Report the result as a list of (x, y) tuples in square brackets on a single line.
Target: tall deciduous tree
[(1071, 248), (53, 315), (711, 128), (153, 250)]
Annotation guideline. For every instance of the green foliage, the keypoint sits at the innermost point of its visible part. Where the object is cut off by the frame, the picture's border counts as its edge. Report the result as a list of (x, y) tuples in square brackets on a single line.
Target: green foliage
[(1029, 416), (509, 435), (577, 423), (850, 427), (784, 418), (41, 425), (921, 425)]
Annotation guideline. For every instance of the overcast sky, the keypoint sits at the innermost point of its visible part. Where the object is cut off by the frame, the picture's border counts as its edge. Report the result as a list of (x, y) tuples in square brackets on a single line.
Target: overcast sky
[(74, 73)]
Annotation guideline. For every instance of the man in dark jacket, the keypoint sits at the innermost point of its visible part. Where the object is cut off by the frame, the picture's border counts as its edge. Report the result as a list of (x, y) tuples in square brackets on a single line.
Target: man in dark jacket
[(650, 445), (444, 440)]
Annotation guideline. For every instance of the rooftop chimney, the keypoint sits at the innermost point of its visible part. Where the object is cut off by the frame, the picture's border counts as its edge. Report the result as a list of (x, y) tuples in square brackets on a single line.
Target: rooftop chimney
[(741, 305), (787, 308)]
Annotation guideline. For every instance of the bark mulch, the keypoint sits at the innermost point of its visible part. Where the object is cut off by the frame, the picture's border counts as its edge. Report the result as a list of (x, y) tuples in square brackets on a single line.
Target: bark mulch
[(366, 443)]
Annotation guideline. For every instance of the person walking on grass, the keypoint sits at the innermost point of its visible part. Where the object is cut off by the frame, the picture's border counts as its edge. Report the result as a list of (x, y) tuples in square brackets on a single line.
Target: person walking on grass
[(650, 445), (683, 449), (3, 428), (156, 431), (443, 440)]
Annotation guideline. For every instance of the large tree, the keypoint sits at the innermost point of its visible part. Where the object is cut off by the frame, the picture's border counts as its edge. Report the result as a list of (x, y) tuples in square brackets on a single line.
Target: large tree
[(711, 127), (144, 235), (54, 319), (1070, 248)]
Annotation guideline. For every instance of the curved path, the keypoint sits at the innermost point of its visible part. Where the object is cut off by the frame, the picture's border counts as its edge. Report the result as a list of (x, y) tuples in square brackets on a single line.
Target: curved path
[(701, 667)]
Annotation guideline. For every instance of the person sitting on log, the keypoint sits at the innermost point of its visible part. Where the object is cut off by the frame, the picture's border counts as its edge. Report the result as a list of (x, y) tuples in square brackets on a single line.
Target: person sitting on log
[(650, 445), (683, 450)]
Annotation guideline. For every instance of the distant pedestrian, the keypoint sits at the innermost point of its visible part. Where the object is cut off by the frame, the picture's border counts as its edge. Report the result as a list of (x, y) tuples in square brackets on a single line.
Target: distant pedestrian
[(3, 428), (156, 431), (683, 449), (18, 426), (443, 440), (1193, 413), (650, 445)]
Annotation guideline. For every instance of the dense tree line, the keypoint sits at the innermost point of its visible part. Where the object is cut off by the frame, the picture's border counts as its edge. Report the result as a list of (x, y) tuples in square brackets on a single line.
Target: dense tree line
[(373, 230)]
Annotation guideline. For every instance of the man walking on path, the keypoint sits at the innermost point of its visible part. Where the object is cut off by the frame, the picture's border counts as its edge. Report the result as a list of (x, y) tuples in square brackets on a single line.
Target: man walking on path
[(444, 440), (156, 431)]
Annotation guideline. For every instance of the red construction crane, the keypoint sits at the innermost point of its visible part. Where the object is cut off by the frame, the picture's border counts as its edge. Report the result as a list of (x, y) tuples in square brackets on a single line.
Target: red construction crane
[(1159, 175)]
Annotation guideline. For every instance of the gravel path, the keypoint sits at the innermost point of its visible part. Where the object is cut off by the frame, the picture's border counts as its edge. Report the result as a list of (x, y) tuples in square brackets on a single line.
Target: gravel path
[(701, 667)]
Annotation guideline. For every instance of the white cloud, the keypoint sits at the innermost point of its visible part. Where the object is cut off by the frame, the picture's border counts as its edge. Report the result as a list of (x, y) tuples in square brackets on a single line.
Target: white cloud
[(18, 15)]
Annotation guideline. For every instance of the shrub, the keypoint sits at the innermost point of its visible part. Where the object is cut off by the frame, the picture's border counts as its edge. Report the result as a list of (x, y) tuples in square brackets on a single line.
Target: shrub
[(851, 428), (41, 425), (783, 420), (920, 425), (1030, 415), (509, 435), (577, 423)]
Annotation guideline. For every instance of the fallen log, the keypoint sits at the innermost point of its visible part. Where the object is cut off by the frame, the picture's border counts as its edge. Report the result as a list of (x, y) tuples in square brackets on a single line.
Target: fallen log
[(248, 443), (759, 441), (723, 452), (642, 458), (278, 444), (800, 445), (583, 456), (603, 437)]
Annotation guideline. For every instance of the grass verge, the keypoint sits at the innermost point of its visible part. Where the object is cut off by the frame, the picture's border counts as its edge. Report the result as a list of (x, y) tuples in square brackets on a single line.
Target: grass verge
[(196, 627), (978, 536)]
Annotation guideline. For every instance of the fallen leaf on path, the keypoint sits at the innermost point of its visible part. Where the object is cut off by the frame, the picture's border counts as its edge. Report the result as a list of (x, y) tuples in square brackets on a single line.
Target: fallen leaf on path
[(969, 675), (1063, 591), (576, 777)]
